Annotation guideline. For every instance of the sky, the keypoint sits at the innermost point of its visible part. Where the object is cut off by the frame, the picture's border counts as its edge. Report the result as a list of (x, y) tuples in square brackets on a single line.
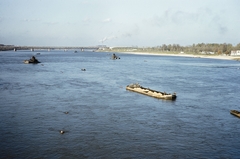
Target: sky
[(142, 23)]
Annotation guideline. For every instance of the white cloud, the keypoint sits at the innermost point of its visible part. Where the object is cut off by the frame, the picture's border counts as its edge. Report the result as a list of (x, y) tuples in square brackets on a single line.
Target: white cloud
[(126, 34), (31, 20), (86, 20), (107, 20), (51, 23)]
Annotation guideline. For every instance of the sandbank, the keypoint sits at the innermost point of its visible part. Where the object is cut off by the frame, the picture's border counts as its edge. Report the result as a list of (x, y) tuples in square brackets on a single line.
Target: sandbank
[(221, 57)]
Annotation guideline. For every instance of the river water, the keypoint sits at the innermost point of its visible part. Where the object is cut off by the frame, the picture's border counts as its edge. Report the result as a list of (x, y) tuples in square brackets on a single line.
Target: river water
[(104, 120)]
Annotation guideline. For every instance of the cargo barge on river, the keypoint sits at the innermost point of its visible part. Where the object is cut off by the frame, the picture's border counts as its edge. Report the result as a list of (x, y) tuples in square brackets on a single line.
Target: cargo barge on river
[(152, 93)]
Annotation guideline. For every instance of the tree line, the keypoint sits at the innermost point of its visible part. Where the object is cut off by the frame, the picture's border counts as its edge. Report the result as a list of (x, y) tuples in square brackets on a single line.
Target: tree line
[(6, 47), (207, 48), (213, 48)]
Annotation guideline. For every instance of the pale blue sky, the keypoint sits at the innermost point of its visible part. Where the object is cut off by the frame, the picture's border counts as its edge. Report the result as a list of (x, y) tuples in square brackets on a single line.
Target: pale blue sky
[(118, 22)]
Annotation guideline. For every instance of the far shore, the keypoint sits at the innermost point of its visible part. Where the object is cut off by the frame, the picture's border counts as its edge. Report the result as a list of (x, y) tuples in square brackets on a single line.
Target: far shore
[(221, 57)]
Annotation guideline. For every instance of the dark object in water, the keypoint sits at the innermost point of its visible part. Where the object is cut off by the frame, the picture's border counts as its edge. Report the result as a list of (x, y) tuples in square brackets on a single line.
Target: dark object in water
[(114, 57), (33, 60)]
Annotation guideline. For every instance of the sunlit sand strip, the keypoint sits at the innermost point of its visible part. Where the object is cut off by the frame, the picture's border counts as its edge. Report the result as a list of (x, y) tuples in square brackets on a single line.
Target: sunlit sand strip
[(188, 55)]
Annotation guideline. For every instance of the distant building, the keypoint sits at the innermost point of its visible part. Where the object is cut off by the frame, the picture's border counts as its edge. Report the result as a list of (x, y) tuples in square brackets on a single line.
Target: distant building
[(235, 53)]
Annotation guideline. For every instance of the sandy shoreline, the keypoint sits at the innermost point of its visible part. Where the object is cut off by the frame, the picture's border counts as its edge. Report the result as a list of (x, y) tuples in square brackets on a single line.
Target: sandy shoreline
[(221, 57)]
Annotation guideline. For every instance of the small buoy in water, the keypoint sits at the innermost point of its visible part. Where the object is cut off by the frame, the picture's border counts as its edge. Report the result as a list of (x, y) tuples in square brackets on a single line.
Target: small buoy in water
[(62, 132)]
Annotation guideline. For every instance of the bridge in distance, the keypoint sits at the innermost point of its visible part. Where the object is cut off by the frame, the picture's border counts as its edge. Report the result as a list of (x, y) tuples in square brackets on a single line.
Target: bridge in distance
[(55, 48)]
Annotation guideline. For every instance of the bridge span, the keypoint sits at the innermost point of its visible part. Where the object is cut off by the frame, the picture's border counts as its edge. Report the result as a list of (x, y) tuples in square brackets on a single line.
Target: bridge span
[(32, 48)]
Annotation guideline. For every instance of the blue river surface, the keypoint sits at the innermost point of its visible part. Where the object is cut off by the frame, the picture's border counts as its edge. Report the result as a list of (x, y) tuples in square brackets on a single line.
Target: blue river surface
[(104, 120)]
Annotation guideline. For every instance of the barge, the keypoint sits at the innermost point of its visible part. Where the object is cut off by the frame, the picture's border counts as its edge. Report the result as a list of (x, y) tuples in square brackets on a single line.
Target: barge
[(152, 93), (235, 112)]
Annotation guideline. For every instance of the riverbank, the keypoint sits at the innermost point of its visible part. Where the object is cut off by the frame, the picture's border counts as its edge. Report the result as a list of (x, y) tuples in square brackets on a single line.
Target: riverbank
[(221, 57)]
